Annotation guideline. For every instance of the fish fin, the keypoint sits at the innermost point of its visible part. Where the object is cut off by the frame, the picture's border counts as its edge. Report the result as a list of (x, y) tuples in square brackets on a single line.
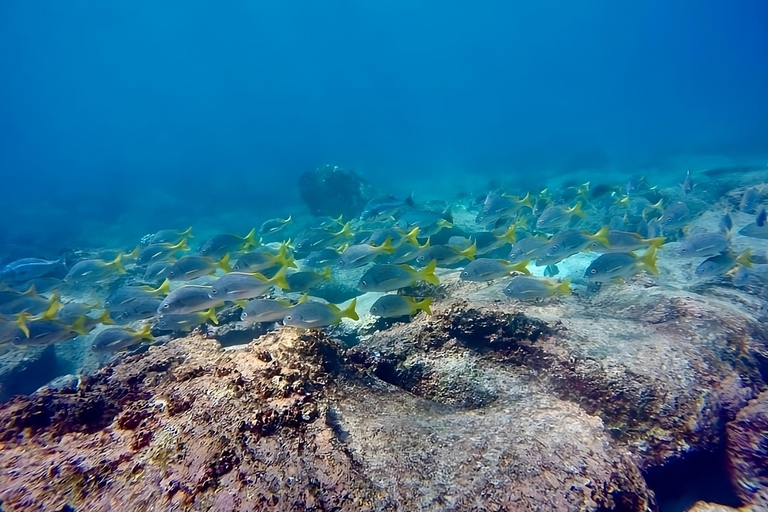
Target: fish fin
[(526, 201), (250, 239), (409, 201), (424, 305), (164, 288), (21, 322), (564, 287), (240, 302), (339, 220), (78, 325), (345, 231), (426, 244), (602, 236), (649, 260), (412, 237), (510, 236), (657, 242), (762, 216), (31, 291), (745, 258), (210, 314), (387, 247), (577, 211), (145, 332), (288, 219), (624, 201), (133, 254), (181, 246), (304, 298), (428, 273), (521, 267), (187, 233), (349, 311), (223, 263), (469, 252), (279, 279), (104, 318), (117, 264), (286, 302), (442, 223), (54, 304), (326, 273)]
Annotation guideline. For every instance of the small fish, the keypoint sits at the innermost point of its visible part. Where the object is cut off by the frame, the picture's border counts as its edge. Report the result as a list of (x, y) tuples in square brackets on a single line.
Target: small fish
[(170, 236), (750, 200), (306, 280), (187, 321), (407, 252), (703, 245), (320, 239), (555, 217), (154, 252), (625, 241), (265, 310), (312, 315), (654, 229), (617, 223), (358, 255), (427, 221), (138, 309), (384, 208), (115, 339), (126, 294), (45, 332), (551, 271), (188, 299), (532, 288), (445, 255), (569, 242), (687, 184), (191, 266), (40, 284), (157, 270), (257, 261), (721, 264), (758, 229), (486, 269), (726, 223), (323, 257), (488, 241), (239, 285), (274, 225), (675, 216), (27, 269), (499, 206), (395, 306), (526, 249), (740, 278), (617, 265), (219, 245), (92, 271), (388, 277)]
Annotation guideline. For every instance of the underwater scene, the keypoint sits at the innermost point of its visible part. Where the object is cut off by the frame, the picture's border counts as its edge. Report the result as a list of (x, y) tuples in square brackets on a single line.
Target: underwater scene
[(384, 256)]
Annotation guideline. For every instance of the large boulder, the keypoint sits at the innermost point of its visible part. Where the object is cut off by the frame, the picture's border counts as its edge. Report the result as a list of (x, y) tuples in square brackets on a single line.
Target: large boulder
[(333, 191)]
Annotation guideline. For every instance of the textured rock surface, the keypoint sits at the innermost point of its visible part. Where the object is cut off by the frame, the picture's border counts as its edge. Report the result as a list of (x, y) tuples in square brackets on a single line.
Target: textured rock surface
[(334, 191), (487, 405), (748, 451)]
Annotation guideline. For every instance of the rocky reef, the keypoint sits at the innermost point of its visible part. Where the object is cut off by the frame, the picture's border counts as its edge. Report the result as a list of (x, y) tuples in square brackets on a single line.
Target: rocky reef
[(331, 190), (589, 404)]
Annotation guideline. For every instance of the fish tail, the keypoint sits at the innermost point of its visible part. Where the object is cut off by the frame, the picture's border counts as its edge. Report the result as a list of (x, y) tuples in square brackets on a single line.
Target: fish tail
[(304, 298), (210, 315), (54, 304), (577, 211), (419, 305), (349, 311), (412, 237), (510, 235), (387, 246), (526, 201), (21, 322), (521, 267), (181, 246), (223, 263), (145, 332), (133, 254), (326, 273), (442, 223), (428, 273), (105, 319), (279, 279), (78, 325), (470, 251), (339, 220), (649, 260), (657, 242), (187, 233), (345, 231), (745, 258), (117, 263), (250, 239), (602, 236), (564, 287)]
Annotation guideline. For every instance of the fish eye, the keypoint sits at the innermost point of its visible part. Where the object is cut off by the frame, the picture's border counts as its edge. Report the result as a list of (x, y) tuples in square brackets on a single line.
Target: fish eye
[(106, 304), (374, 309), (243, 315), (465, 274), (554, 247), (214, 291), (289, 317), (341, 263), (165, 306), (593, 271), (512, 256), (363, 282)]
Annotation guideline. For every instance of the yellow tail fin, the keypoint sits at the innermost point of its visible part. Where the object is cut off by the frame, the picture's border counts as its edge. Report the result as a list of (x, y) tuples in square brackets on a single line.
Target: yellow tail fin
[(326, 273), (54, 304), (250, 239), (78, 325), (21, 322), (210, 315), (187, 233), (419, 305), (745, 258), (117, 264), (304, 298), (181, 246), (387, 247), (526, 201), (283, 258), (339, 220), (163, 289), (349, 311), (510, 236), (564, 287), (470, 251), (346, 231), (602, 236), (133, 254), (521, 267), (577, 211), (649, 260), (145, 332), (656, 242), (442, 223), (223, 263), (105, 319), (412, 237), (279, 279), (428, 273)]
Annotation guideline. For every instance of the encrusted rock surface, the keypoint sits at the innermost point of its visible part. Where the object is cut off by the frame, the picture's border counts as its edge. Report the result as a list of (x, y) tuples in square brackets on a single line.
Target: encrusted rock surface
[(487, 405), (748, 451)]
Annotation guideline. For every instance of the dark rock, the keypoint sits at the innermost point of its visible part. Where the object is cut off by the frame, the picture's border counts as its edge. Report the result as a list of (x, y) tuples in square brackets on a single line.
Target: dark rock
[(747, 448), (333, 191)]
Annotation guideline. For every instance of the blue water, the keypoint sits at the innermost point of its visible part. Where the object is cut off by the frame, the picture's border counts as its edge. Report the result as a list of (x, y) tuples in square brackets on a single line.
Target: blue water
[(121, 118)]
